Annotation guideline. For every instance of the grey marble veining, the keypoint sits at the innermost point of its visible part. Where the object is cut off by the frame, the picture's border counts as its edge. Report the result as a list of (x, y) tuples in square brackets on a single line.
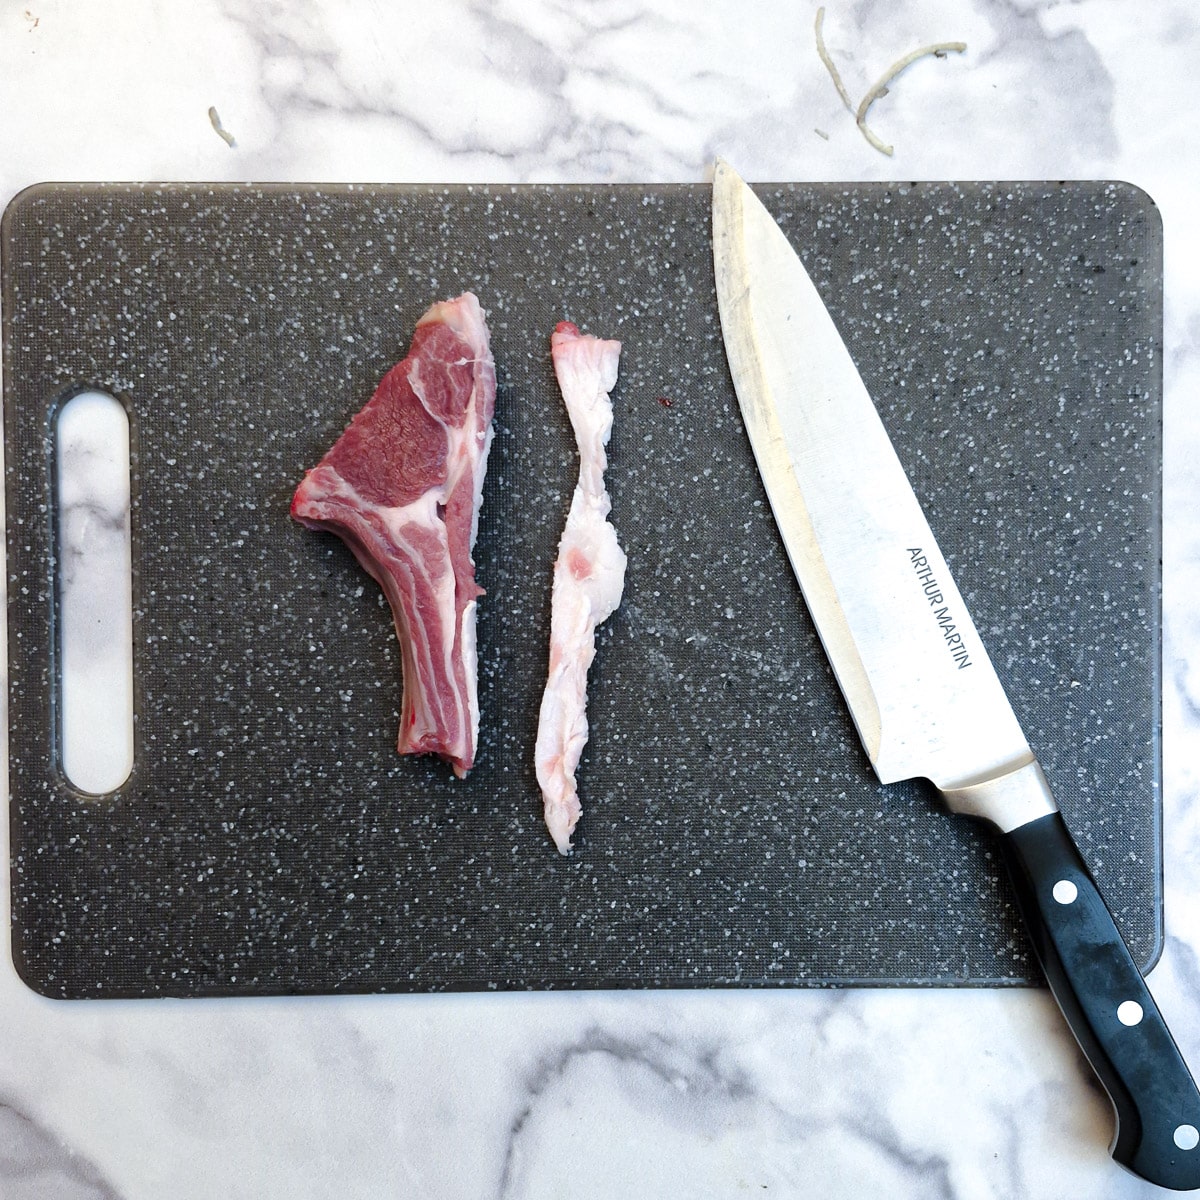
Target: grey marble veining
[(34, 1162), (832, 1094)]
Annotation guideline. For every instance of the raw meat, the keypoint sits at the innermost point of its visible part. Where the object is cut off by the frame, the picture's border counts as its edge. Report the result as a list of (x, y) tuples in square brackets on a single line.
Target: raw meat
[(589, 575), (402, 488)]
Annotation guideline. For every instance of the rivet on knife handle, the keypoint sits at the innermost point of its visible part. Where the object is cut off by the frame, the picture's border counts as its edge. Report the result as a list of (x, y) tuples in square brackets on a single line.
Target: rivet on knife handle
[(1106, 1003)]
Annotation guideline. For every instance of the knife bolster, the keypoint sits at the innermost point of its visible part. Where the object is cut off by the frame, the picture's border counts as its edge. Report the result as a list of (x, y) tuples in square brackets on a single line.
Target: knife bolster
[(1008, 801)]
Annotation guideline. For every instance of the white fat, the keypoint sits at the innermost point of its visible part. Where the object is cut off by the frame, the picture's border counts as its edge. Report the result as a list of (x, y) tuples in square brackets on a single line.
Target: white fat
[(589, 578), (588, 536), (470, 656)]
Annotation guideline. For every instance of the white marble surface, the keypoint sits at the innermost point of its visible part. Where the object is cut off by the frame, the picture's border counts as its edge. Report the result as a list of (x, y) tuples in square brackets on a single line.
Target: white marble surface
[(900, 1094)]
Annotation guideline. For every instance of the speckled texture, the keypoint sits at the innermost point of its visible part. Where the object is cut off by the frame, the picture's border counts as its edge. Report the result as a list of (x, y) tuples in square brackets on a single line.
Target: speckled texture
[(270, 840)]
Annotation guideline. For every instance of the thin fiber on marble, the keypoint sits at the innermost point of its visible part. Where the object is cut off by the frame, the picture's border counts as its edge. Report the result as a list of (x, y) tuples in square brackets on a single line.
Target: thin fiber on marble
[(271, 841)]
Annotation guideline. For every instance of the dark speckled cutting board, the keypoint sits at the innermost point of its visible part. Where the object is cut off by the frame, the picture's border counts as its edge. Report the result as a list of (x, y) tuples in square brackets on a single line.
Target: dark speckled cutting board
[(271, 841)]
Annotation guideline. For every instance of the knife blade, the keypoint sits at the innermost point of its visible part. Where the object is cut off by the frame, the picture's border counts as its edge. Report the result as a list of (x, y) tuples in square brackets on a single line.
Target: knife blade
[(922, 692)]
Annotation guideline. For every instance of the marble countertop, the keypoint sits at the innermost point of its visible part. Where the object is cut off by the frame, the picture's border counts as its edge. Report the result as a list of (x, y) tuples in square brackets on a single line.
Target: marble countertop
[(965, 1094)]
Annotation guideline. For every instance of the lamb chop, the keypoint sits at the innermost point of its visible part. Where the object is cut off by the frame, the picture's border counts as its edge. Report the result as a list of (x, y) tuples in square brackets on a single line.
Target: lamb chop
[(402, 487)]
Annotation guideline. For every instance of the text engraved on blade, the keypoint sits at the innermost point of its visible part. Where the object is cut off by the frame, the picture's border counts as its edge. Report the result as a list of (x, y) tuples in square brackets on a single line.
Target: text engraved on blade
[(941, 611)]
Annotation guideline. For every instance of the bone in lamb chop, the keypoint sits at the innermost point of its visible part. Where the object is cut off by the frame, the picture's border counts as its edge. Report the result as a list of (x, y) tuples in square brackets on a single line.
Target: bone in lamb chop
[(589, 575), (402, 488)]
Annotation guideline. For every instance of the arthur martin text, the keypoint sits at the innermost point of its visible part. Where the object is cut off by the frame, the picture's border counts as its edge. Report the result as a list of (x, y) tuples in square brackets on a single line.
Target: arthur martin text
[(933, 593)]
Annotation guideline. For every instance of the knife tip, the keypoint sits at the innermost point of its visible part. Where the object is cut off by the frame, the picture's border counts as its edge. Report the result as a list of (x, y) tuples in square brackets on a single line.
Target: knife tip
[(726, 183)]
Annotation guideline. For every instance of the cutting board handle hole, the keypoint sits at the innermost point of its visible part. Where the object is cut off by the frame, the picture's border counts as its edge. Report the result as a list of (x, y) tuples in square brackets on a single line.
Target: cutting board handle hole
[(95, 594)]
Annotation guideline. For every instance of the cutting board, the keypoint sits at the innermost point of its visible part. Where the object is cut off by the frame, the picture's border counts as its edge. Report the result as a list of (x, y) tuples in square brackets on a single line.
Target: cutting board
[(270, 840)]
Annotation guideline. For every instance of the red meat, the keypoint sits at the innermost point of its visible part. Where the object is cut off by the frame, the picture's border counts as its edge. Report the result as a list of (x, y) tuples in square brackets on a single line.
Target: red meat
[(402, 487)]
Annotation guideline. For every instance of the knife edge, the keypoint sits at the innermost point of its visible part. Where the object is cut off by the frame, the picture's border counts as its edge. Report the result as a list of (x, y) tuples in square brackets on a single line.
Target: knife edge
[(770, 446), (897, 655)]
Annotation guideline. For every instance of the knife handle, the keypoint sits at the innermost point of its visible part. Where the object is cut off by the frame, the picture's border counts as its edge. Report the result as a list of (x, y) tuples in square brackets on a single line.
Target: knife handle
[(1107, 1005)]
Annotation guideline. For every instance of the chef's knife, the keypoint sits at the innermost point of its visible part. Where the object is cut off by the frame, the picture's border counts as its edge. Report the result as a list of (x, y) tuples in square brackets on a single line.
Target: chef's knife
[(920, 687)]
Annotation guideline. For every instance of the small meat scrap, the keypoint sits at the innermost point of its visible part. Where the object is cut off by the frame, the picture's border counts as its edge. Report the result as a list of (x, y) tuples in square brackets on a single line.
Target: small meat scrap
[(402, 488), (589, 575)]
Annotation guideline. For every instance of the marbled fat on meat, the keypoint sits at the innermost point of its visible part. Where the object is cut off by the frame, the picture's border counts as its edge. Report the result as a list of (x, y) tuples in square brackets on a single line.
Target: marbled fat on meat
[(589, 576), (402, 487)]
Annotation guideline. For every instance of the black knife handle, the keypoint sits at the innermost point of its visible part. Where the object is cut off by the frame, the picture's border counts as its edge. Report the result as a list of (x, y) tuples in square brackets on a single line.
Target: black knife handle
[(1107, 1005)]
